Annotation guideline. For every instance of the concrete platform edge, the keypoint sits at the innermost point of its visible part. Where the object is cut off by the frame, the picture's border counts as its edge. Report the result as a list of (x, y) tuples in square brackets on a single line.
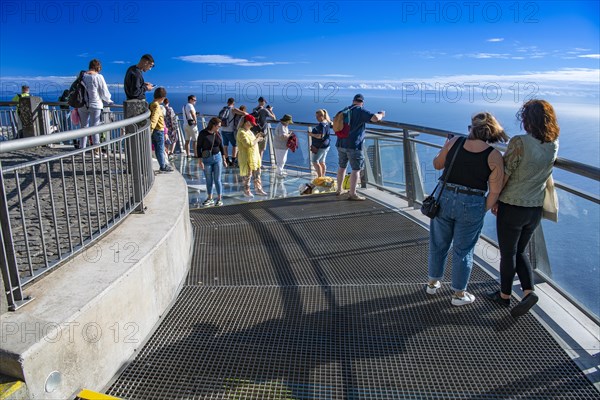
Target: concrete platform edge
[(94, 312)]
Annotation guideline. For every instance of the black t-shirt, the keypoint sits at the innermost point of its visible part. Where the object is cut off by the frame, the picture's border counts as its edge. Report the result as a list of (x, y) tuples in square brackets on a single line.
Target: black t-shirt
[(134, 84), (208, 141)]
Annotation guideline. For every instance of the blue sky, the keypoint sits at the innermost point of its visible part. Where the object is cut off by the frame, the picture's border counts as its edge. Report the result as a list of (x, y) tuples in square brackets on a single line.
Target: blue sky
[(551, 45)]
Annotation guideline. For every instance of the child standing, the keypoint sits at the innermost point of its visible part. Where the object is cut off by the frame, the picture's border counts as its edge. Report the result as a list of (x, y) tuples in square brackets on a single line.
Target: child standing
[(282, 135), (157, 126)]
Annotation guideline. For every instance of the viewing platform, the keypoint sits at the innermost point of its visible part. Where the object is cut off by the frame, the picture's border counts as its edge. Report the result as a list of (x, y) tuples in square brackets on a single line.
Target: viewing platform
[(276, 297)]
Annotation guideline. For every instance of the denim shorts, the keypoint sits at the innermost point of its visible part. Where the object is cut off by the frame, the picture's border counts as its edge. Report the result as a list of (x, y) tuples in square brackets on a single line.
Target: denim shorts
[(320, 155), (356, 158), (229, 137)]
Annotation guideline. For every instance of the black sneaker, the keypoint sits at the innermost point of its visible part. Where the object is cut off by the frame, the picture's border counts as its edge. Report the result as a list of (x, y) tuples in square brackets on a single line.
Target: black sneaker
[(229, 162), (166, 169), (524, 305), (496, 298)]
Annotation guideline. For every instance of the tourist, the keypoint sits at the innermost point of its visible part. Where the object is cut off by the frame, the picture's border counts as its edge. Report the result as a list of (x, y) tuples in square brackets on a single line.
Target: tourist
[(157, 126), (249, 157), (134, 85), (528, 162), (97, 96), (229, 129), (463, 202), (280, 140), (17, 99), (262, 113), (210, 148), (172, 127), (350, 149), (320, 142), (190, 124)]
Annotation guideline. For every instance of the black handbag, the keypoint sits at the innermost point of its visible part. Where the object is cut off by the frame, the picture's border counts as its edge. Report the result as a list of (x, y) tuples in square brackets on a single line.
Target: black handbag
[(431, 205)]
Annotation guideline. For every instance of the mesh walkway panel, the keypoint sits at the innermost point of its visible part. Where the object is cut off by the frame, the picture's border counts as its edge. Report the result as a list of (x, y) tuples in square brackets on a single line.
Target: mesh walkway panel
[(314, 298)]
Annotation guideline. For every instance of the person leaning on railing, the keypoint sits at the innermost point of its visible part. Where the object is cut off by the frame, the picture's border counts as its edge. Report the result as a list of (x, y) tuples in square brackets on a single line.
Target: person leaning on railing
[(528, 164), (97, 95), (463, 203)]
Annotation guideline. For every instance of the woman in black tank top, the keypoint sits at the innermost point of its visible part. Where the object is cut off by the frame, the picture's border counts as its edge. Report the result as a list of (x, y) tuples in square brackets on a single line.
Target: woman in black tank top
[(463, 204)]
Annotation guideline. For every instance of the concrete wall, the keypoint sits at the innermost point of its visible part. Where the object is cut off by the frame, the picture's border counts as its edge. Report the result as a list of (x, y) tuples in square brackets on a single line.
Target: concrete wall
[(89, 317)]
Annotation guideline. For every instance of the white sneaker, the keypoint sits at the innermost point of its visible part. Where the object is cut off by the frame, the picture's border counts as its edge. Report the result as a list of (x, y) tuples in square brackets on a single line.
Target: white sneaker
[(467, 298), (432, 289)]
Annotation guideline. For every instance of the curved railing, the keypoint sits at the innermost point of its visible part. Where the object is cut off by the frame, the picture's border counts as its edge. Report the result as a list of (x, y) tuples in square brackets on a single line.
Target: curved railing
[(57, 201), (399, 160)]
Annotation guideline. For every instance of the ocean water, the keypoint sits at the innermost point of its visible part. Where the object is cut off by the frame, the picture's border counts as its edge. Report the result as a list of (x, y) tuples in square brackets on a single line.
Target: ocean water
[(575, 270)]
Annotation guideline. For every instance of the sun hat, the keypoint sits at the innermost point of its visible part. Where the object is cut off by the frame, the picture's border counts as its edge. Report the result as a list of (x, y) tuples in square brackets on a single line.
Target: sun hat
[(287, 118)]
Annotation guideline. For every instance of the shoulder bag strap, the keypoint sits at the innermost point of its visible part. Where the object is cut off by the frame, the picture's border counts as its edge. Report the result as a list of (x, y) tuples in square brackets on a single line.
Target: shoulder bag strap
[(460, 142)]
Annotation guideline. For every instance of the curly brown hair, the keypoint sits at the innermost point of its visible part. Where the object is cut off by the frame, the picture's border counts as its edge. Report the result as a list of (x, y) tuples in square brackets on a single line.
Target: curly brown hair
[(539, 119), (484, 126)]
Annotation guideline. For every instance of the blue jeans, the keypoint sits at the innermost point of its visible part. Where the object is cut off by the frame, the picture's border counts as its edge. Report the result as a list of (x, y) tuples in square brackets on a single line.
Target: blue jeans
[(356, 158), (212, 173), (158, 140), (459, 223)]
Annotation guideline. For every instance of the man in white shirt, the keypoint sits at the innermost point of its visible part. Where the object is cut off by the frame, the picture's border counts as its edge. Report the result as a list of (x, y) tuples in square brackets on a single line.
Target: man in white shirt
[(190, 125)]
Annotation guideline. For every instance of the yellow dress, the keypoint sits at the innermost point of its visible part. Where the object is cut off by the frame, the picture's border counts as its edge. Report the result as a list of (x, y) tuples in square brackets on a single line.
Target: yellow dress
[(248, 154)]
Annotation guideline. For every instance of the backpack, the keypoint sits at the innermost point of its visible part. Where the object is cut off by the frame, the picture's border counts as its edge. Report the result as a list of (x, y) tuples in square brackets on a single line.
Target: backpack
[(78, 95), (341, 123), (224, 116)]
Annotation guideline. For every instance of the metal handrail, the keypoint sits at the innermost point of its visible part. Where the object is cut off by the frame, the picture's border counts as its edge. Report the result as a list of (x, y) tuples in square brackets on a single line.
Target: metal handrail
[(88, 195), (20, 144)]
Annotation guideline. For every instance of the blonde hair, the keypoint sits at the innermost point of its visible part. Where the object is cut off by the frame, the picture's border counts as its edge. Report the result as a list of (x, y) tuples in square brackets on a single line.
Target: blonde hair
[(484, 126), (323, 112)]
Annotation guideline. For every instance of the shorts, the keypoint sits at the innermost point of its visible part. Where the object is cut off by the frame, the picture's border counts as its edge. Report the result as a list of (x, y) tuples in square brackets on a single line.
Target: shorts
[(191, 132), (228, 137), (320, 155), (356, 158)]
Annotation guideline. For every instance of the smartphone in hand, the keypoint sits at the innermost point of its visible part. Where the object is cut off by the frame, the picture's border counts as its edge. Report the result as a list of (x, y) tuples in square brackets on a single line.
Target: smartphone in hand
[(450, 136)]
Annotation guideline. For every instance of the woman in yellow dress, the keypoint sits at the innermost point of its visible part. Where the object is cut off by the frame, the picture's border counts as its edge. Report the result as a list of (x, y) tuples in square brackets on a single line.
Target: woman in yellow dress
[(249, 156)]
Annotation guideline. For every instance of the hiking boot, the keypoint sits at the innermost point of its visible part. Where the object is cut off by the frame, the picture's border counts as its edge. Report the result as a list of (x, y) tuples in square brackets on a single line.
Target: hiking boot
[(496, 298), (467, 298), (524, 305), (432, 289), (356, 197), (208, 202)]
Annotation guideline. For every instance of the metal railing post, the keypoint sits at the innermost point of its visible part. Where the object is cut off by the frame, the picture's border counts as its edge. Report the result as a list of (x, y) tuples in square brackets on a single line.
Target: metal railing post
[(412, 170), (9, 267), (538, 252), (132, 108)]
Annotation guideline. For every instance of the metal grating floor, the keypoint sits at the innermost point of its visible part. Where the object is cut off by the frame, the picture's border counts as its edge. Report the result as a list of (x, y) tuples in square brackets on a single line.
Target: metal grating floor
[(314, 298)]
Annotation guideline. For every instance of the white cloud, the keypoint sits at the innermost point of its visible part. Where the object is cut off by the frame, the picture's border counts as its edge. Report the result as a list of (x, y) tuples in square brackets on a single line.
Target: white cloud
[(488, 55), (494, 40), (594, 56), (217, 59), (333, 76)]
